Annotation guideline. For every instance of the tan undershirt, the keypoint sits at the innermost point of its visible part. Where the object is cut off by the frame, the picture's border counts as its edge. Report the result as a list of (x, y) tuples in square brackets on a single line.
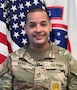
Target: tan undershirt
[(39, 55)]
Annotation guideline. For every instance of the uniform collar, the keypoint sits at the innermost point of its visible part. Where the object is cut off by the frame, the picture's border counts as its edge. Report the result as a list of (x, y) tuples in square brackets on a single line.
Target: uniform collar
[(50, 54)]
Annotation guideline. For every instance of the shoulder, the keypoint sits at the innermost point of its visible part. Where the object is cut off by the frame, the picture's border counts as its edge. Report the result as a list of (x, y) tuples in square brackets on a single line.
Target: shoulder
[(58, 49), (19, 52), (72, 63), (13, 57), (61, 52)]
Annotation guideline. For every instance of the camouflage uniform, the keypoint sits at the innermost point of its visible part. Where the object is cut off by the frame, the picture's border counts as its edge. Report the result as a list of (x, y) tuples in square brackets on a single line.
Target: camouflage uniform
[(56, 71)]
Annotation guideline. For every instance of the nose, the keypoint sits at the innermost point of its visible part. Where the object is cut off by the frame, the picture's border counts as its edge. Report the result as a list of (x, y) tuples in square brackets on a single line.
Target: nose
[(38, 28)]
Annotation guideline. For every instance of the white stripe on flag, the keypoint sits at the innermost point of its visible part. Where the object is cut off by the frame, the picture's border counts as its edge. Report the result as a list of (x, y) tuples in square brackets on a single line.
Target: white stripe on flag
[(72, 26), (3, 49)]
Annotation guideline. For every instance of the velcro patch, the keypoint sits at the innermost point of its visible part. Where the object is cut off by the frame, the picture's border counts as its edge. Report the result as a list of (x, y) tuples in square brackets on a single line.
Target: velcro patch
[(1, 67), (55, 85)]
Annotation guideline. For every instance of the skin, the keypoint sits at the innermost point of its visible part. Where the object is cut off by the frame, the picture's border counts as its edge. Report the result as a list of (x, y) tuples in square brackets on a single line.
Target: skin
[(38, 28)]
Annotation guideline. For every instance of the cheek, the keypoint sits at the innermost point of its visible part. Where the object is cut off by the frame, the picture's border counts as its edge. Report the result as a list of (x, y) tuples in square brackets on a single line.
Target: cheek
[(29, 32), (48, 30)]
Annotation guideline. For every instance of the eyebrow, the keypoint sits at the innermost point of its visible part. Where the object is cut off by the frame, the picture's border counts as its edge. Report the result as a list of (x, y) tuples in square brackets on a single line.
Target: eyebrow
[(35, 22)]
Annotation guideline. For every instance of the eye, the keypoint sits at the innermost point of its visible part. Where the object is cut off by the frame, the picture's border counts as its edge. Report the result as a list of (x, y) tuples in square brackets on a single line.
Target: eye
[(43, 24), (32, 25)]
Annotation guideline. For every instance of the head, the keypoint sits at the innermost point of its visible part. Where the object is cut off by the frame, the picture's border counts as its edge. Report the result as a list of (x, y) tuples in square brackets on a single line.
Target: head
[(38, 27)]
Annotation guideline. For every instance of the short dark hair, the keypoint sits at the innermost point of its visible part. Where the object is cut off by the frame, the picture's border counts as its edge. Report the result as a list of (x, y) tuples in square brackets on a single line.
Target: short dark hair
[(35, 10)]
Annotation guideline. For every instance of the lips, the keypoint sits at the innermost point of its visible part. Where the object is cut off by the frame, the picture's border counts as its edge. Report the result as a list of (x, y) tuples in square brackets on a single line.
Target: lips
[(38, 37)]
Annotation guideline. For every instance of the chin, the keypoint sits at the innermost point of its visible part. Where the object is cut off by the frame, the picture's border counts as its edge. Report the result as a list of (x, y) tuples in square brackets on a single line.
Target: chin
[(40, 42)]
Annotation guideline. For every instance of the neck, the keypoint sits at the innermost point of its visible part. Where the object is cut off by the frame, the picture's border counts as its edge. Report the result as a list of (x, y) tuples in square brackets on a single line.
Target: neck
[(39, 48)]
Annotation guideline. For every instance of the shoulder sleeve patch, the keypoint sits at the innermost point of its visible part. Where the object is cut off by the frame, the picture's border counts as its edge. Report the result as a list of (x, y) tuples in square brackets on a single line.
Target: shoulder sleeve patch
[(1, 67)]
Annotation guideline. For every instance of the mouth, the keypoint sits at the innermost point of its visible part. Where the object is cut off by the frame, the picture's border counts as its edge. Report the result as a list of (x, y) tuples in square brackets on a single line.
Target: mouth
[(39, 37)]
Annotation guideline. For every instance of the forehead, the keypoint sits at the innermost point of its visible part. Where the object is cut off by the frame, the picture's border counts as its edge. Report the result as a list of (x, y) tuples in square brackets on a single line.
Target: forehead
[(37, 16)]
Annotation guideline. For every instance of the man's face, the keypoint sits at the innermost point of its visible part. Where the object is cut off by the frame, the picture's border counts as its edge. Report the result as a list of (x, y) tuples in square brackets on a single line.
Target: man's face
[(38, 27)]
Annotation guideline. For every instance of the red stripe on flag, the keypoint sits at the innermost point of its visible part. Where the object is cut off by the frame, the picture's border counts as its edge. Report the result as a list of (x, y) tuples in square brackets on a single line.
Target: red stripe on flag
[(9, 48), (3, 39), (2, 58), (60, 25), (69, 46)]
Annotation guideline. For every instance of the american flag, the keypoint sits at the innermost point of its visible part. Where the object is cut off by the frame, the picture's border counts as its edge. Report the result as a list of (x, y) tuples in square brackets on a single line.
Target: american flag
[(5, 47), (16, 10)]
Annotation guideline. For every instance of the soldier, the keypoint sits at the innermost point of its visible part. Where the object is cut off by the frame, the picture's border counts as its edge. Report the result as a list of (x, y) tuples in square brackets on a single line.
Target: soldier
[(40, 64)]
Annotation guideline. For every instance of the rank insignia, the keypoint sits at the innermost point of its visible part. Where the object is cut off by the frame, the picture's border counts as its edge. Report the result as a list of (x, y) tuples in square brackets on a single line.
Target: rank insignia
[(55, 85)]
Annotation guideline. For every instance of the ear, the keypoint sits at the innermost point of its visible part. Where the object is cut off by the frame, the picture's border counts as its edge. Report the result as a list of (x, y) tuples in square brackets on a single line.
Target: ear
[(50, 27), (25, 28)]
